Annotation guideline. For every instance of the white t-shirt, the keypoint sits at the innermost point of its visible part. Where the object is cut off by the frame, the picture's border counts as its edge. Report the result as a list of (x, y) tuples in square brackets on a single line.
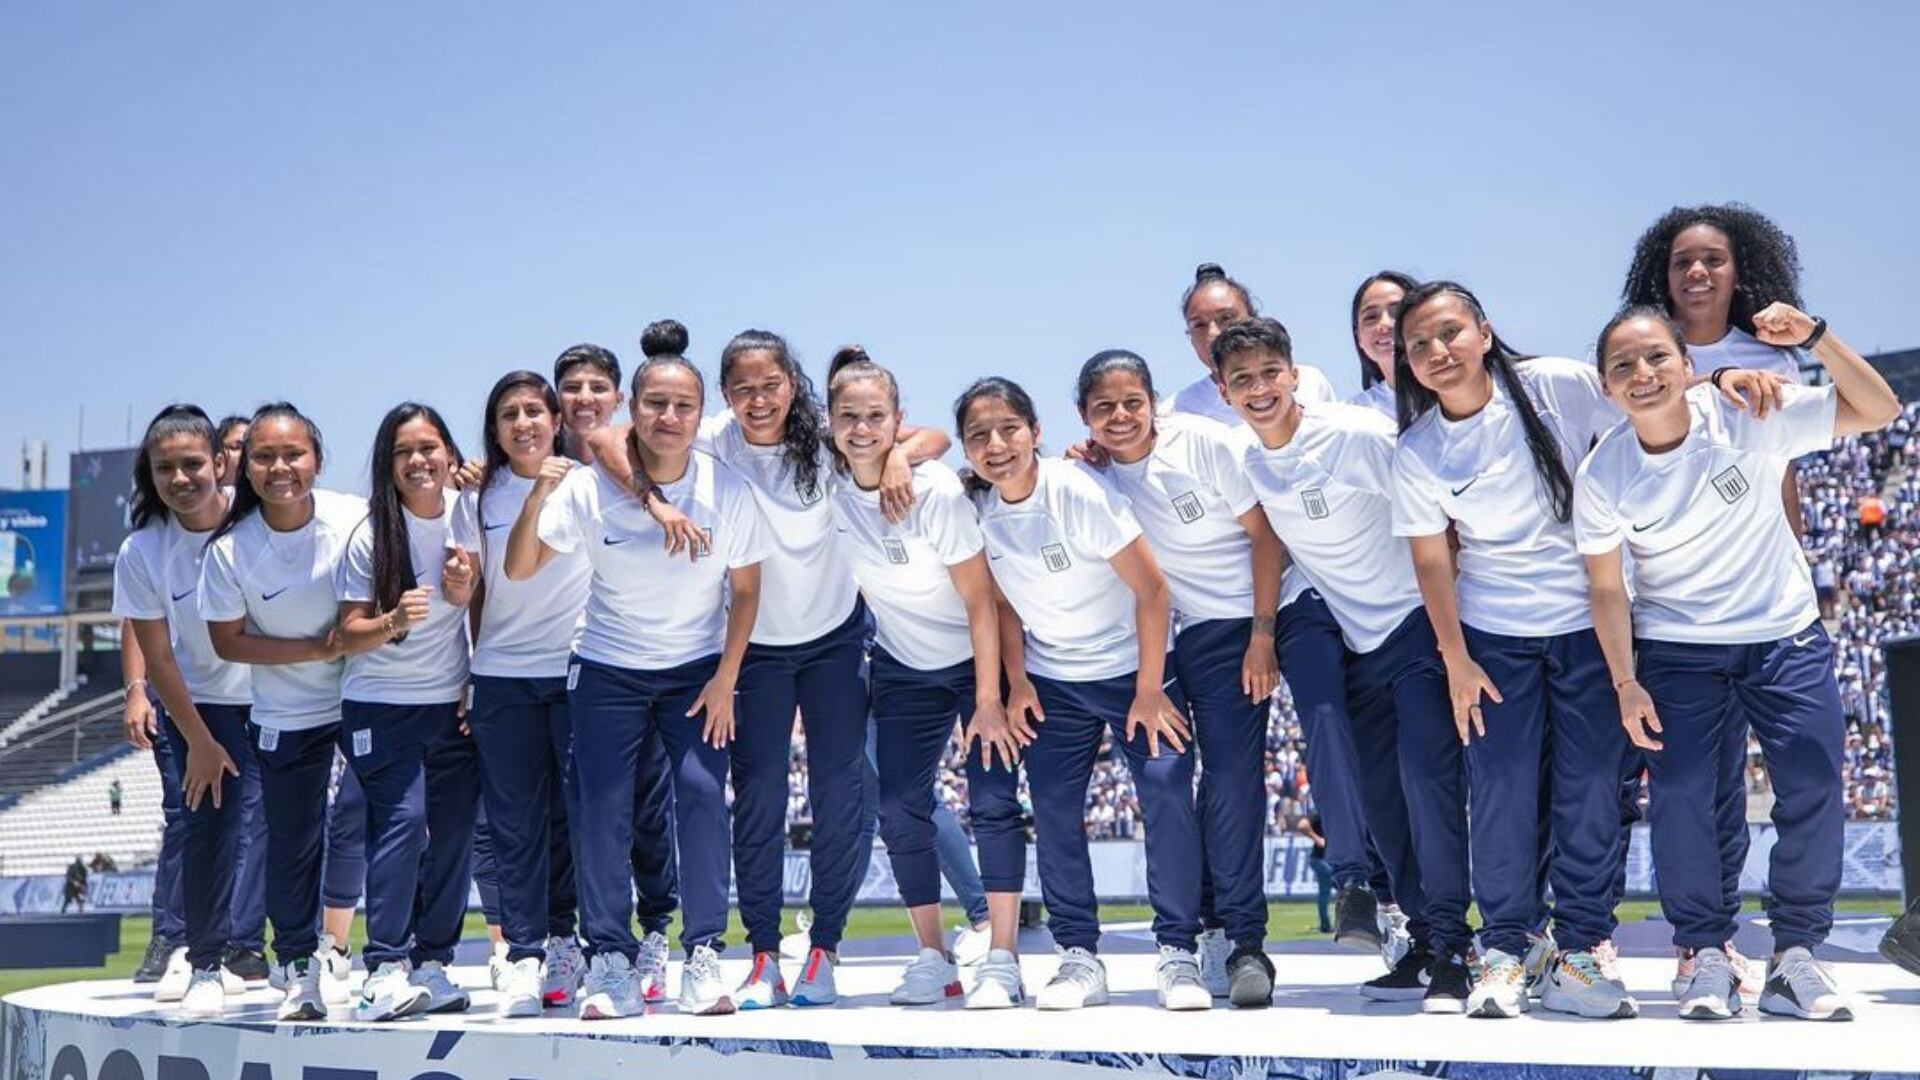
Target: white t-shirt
[(526, 627), (1714, 557), (157, 576), (918, 616), (648, 610), (806, 584), (428, 667), (1202, 396), (1740, 349), (282, 584), (1188, 494), (1379, 398), (1049, 553), (1329, 495), (1520, 573)]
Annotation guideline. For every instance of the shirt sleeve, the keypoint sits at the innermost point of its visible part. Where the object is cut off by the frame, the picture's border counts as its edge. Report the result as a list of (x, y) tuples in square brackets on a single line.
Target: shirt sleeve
[(353, 579), (1416, 498), (564, 515), (134, 593), (1596, 526), (748, 540), (465, 523), (1368, 453), (949, 525), (1314, 388), (707, 437), (1220, 456), (220, 598), (1803, 424), (1095, 515)]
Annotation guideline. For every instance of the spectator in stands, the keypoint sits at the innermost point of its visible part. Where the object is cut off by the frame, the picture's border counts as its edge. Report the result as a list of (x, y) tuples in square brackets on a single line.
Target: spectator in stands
[(75, 889), (102, 863), (1873, 514), (115, 793)]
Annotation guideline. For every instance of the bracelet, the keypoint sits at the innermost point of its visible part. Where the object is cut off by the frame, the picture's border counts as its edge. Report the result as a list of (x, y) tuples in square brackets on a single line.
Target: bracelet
[(135, 684), (1819, 331), (1623, 682), (386, 623), (1717, 372)]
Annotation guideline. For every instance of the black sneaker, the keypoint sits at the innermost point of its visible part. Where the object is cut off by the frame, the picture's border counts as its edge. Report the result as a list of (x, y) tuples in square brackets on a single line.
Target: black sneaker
[(1249, 978), (1408, 981), (1356, 919), (154, 964), (1448, 984), (1902, 943), (246, 963)]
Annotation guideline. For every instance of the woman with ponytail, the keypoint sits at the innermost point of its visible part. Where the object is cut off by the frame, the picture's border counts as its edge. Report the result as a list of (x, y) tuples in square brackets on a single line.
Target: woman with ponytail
[(267, 592), (177, 502), (403, 587)]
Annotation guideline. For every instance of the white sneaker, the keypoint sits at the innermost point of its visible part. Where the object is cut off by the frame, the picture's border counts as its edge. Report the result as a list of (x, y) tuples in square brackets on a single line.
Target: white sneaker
[(1798, 985), (566, 967), (1395, 940), (230, 983), (702, 990), (1215, 948), (443, 994), (932, 978), (1177, 978), (1501, 990), (499, 969), (815, 985), (765, 987), (336, 971), (996, 982), (1578, 985), (611, 990), (1080, 981), (1539, 962), (174, 981), (970, 944), (1712, 990), (794, 946), (303, 1001), (389, 994), (651, 967), (206, 997), (519, 986)]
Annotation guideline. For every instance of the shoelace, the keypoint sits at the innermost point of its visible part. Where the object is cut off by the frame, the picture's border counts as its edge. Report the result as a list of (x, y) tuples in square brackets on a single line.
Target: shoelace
[(703, 965), (1079, 967), (1583, 966), (1805, 973), (1713, 963), (1503, 969)]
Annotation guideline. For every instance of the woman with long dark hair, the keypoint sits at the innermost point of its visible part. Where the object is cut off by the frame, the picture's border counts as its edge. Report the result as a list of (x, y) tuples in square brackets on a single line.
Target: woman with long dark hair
[(177, 502), (267, 593), (1375, 304), (1222, 563), (403, 588), (1723, 630), (659, 651), (1085, 629)]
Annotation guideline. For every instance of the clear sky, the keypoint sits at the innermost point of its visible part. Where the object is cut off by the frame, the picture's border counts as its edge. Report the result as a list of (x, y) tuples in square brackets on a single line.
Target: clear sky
[(350, 204)]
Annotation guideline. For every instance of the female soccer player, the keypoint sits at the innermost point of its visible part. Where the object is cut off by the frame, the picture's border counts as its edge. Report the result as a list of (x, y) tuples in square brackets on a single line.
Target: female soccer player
[(1323, 473), (1374, 304), (403, 588), (267, 593), (1211, 304), (936, 659), (1084, 637), (1222, 564), (177, 502), (1723, 628), (660, 650)]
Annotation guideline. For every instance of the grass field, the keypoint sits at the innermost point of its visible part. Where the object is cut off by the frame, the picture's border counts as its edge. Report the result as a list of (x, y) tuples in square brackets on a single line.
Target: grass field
[(1289, 921)]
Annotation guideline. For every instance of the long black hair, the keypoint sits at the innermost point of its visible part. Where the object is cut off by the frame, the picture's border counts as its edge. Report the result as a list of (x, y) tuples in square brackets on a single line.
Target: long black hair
[(496, 455), (1206, 274), (246, 501), (146, 505), (1000, 389), (805, 432), (393, 572), (1415, 400), (1370, 372), (1766, 263)]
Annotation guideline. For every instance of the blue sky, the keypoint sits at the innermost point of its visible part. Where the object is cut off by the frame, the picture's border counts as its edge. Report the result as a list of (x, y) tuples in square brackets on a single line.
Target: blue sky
[(353, 204)]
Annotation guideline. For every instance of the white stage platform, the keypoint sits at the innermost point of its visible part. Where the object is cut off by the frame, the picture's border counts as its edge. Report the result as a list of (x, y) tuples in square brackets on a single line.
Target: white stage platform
[(1319, 1029)]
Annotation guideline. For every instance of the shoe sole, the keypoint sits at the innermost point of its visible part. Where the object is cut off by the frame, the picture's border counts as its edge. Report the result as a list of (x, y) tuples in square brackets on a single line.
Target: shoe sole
[(1254, 993), (455, 1005), (1705, 1012), (1902, 954), (1783, 1007), (304, 1012), (1491, 1010), (1197, 1005), (947, 993), (718, 1007), (1357, 940), (1393, 993), (522, 1011), (1098, 999), (754, 1006), (799, 1001), (1442, 1006)]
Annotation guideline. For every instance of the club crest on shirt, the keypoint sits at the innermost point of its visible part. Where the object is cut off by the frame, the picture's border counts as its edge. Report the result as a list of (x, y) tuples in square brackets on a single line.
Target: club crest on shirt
[(1315, 502), (1187, 505), (808, 498), (1056, 556), (896, 550), (1731, 484)]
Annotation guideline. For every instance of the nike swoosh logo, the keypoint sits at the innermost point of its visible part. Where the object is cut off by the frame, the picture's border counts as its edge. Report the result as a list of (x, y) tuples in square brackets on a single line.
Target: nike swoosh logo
[(274, 593), (183, 596), (1801, 643), (995, 558), (610, 541), (1648, 525), (497, 528), (1463, 487)]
